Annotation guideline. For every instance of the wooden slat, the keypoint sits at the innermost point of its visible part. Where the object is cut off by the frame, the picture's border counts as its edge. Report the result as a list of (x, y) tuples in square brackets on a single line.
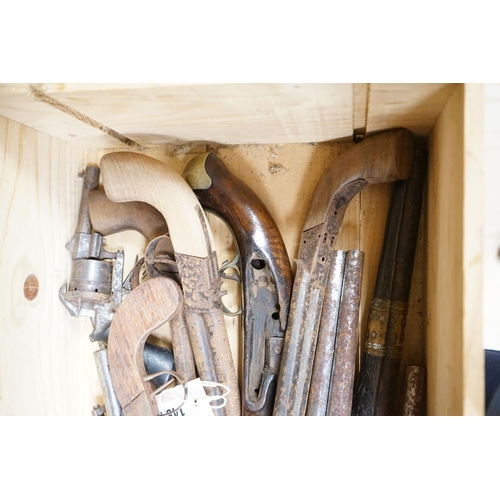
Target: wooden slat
[(472, 347), (415, 106), (491, 237), (46, 361), (62, 88), (109, 115), (454, 335), (176, 114), (18, 103), (224, 113)]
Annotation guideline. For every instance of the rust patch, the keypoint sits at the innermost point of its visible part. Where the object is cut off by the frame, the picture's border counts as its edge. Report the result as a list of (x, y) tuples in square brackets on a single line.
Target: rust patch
[(31, 287), (414, 391)]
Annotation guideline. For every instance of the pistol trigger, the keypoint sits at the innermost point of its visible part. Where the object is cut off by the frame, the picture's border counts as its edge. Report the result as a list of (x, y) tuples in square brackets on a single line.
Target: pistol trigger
[(127, 284), (225, 310), (233, 264)]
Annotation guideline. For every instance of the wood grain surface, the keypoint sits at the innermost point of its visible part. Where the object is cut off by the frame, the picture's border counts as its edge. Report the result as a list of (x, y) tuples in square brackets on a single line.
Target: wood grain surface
[(113, 115), (46, 361), (145, 309), (455, 355)]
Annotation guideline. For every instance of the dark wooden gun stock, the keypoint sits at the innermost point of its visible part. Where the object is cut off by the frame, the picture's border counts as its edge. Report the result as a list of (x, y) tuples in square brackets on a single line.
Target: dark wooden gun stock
[(266, 275), (383, 157), (109, 217), (377, 383)]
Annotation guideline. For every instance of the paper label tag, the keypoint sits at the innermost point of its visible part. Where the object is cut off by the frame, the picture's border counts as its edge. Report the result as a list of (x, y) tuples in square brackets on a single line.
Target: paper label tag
[(170, 399)]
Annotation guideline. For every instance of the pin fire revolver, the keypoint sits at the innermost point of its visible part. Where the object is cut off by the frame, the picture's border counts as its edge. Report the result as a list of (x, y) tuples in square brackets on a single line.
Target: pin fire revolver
[(95, 290)]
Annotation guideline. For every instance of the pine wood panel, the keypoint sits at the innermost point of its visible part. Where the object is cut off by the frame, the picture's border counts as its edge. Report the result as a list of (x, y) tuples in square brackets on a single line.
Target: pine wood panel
[(112, 115), (149, 115), (18, 103), (454, 265), (472, 348), (410, 105), (46, 362), (222, 113)]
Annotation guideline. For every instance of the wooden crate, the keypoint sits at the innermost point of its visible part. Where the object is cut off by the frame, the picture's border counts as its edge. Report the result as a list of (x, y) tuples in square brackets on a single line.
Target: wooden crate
[(278, 138)]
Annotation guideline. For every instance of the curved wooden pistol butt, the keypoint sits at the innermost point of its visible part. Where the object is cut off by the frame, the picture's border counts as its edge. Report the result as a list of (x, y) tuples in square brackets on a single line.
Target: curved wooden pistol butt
[(382, 157), (135, 177), (145, 309), (266, 274)]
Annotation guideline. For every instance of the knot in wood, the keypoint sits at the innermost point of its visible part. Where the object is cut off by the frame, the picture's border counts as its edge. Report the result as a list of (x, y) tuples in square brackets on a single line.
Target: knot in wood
[(31, 287)]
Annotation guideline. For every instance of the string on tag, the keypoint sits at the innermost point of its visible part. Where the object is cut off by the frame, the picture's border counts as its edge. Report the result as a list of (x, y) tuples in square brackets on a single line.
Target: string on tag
[(207, 383), (199, 401), (165, 385)]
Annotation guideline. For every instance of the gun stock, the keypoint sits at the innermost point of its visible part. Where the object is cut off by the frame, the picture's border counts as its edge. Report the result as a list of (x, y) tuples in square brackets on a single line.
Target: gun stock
[(266, 274), (109, 218), (383, 157), (135, 177), (144, 309)]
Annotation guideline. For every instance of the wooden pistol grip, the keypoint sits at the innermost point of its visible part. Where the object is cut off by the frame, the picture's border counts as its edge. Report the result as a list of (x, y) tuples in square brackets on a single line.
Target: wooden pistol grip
[(136, 177), (145, 309), (382, 157), (260, 246), (256, 233), (109, 217), (130, 176)]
